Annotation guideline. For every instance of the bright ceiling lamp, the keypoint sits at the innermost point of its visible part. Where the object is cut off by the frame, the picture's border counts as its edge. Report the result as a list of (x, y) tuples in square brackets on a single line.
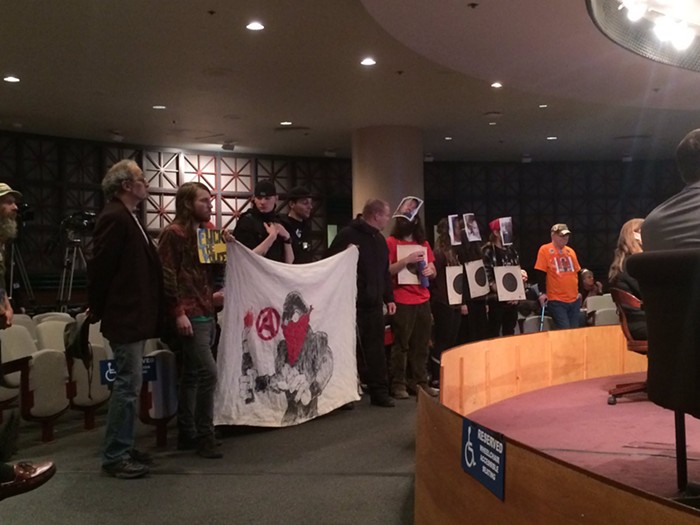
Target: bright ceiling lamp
[(661, 30), (635, 9)]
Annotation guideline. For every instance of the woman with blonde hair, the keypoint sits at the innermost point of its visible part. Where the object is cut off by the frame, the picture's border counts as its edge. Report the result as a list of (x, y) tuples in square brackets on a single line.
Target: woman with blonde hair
[(628, 243)]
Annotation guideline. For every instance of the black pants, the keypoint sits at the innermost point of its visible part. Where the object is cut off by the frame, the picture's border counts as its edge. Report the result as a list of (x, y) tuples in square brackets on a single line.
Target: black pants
[(502, 318), (446, 330), (474, 326), (371, 356)]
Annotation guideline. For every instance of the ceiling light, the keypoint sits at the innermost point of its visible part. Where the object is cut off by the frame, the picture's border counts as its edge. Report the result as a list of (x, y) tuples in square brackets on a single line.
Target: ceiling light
[(368, 61), (542, 106), (448, 138), (682, 37), (635, 9), (255, 26), (159, 107), (552, 138), (496, 85), (11, 78), (286, 123), (664, 28), (492, 123)]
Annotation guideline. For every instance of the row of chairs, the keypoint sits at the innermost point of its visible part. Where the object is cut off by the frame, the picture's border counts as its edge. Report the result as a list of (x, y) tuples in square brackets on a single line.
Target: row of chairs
[(52, 382)]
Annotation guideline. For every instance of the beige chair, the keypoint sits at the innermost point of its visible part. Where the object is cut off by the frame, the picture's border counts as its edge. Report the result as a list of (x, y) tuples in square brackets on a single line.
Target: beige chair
[(89, 392), (158, 403), (54, 333), (605, 316), (532, 324), (26, 321), (44, 385), (598, 302), (40, 318)]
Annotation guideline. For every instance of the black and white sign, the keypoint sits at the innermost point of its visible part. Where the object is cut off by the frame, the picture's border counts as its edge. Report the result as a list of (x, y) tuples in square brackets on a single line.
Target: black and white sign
[(476, 277), (455, 284), (509, 283)]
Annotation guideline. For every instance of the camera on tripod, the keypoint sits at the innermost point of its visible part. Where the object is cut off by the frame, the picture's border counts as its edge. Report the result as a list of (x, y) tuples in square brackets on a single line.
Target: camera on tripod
[(78, 223)]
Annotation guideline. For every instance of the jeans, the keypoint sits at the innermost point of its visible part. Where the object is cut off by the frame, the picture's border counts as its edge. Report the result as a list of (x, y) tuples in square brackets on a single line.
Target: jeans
[(565, 315), (121, 416), (195, 415), (409, 355)]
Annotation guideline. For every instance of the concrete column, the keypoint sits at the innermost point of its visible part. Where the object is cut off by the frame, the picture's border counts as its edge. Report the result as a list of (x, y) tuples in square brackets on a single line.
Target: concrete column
[(387, 163)]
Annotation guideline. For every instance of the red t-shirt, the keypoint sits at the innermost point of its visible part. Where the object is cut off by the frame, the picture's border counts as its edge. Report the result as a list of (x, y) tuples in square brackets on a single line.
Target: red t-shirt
[(408, 293)]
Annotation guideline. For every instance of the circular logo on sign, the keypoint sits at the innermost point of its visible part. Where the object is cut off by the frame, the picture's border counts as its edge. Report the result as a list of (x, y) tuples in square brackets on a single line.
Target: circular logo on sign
[(480, 276), (458, 283), (510, 282), (268, 323)]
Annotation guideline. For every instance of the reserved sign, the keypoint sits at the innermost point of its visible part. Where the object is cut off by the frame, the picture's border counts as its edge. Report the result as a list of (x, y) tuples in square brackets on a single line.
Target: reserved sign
[(484, 456)]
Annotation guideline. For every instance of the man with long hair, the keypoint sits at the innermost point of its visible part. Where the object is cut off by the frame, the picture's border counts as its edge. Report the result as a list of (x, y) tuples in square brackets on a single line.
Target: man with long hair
[(125, 293), (189, 290)]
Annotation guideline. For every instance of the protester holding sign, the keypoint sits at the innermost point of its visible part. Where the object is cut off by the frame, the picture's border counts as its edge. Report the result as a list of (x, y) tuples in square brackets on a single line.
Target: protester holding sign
[(189, 288)]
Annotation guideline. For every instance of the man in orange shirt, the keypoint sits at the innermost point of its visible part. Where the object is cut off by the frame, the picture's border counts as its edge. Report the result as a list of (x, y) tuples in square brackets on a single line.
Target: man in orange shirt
[(557, 271)]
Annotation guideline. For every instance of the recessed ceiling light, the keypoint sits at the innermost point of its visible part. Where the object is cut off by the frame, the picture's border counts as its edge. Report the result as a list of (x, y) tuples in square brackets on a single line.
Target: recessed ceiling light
[(542, 106), (492, 123), (448, 138), (286, 123), (255, 26), (159, 107), (496, 85), (368, 61), (11, 78), (552, 138)]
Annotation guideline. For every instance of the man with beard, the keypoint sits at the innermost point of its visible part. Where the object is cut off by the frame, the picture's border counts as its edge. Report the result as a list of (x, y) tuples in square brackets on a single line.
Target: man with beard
[(189, 289), (297, 224), (24, 476), (125, 293), (260, 229)]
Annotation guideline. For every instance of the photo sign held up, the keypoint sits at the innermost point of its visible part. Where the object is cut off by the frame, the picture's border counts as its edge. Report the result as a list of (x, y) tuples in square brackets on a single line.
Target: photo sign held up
[(211, 246), (484, 456)]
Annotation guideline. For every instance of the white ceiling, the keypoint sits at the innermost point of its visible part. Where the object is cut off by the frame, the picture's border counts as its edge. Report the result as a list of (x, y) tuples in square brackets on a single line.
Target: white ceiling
[(92, 67)]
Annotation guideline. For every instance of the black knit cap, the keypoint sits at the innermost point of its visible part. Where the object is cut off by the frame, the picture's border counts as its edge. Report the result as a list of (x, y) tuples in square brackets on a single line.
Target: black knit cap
[(298, 192), (265, 188)]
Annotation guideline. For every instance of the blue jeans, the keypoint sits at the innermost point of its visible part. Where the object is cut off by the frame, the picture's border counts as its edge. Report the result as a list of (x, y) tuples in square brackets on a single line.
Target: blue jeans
[(121, 416), (195, 414), (565, 315)]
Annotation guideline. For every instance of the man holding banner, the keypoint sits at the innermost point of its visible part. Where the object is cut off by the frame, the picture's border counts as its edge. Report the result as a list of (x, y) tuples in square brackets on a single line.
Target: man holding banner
[(189, 289), (374, 289)]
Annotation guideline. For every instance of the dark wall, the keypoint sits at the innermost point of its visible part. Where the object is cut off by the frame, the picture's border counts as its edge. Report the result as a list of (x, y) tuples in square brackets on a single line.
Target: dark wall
[(593, 198)]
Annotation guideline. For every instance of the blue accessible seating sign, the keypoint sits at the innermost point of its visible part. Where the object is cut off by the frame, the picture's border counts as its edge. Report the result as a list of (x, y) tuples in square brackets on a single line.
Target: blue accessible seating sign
[(108, 372), (484, 456)]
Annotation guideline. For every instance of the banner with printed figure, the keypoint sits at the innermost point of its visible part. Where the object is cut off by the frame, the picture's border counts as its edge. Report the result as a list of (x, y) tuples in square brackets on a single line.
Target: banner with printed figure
[(287, 349)]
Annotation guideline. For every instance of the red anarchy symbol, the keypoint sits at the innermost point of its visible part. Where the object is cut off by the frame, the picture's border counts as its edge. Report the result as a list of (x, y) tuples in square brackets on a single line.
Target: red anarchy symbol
[(268, 323)]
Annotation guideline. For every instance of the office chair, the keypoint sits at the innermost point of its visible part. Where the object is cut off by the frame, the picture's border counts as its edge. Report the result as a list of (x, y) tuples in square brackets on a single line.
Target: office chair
[(670, 284), (626, 300)]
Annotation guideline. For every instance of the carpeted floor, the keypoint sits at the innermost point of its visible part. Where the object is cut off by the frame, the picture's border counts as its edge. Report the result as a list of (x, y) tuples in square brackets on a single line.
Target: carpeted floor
[(348, 467), (632, 442)]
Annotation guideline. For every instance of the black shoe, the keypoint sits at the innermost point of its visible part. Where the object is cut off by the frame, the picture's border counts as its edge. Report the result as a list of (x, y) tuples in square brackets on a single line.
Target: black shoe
[(382, 400), (126, 469), (142, 457), (207, 449)]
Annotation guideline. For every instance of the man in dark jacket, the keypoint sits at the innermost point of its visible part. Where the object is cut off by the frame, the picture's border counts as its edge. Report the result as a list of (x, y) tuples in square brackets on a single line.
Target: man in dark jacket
[(298, 225), (260, 228), (125, 293), (373, 291)]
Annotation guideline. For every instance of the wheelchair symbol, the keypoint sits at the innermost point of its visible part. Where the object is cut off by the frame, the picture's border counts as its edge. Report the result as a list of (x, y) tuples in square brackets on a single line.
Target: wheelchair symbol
[(110, 373), (469, 450)]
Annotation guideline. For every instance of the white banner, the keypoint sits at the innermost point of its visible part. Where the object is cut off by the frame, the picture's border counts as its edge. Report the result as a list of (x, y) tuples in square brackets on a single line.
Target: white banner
[(287, 349)]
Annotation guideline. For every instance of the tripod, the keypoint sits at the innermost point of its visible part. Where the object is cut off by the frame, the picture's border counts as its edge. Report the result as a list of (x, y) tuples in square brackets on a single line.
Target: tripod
[(17, 261), (73, 252)]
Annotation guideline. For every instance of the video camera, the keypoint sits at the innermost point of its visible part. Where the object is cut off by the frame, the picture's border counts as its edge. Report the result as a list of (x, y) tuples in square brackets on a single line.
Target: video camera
[(79, 222)]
